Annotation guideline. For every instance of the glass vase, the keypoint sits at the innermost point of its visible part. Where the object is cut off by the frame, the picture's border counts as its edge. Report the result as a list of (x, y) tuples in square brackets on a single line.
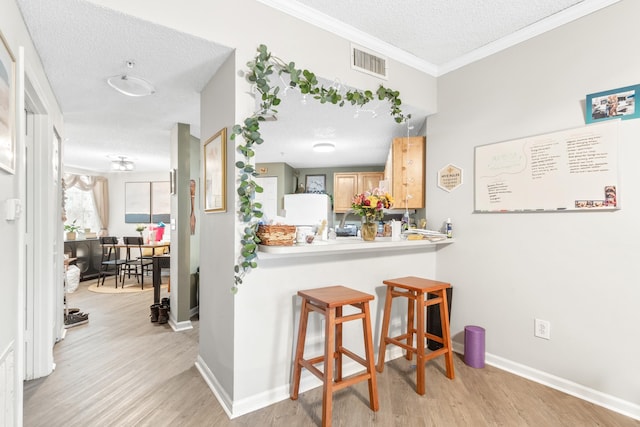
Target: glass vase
[(369, 231)]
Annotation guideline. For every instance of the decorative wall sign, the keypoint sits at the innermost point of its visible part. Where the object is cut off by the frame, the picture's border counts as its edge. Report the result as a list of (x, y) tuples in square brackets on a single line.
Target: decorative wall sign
[(450, 177)]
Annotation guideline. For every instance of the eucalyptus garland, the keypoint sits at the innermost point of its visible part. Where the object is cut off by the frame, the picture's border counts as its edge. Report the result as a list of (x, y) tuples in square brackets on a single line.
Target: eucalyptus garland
[(261, 71)]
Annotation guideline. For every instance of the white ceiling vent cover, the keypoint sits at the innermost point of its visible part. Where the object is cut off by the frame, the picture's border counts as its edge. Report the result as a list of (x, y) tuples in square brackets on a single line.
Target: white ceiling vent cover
[(368, 62)]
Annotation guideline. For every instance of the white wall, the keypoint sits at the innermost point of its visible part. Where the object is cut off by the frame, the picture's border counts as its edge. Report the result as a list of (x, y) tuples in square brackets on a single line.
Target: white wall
[(576, 270), (12, 259), (217, 239)]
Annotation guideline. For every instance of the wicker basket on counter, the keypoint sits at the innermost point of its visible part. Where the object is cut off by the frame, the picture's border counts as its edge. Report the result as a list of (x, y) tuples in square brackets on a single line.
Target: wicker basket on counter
[(277, 235)]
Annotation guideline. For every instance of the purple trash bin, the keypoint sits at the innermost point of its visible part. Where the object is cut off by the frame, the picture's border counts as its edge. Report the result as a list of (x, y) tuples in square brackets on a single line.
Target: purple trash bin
[(474, 346)]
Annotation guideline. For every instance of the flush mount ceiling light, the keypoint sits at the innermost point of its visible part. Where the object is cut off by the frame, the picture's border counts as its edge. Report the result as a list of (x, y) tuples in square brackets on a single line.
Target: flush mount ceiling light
[(122, 165), (130, 85), (324, 147)]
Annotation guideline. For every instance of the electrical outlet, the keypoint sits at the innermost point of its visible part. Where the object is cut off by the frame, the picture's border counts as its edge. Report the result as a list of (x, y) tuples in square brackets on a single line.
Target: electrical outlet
[(542, 329)]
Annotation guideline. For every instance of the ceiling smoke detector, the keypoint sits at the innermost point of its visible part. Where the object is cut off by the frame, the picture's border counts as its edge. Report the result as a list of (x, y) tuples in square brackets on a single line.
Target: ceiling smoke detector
[(130, 85)]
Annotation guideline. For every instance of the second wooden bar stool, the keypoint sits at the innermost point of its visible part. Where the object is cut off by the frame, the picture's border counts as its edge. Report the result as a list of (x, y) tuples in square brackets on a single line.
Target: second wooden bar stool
[(417, 290), (329, 302)]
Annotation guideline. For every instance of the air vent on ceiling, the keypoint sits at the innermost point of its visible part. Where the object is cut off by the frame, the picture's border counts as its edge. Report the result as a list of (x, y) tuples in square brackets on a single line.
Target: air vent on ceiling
[(368, 62)]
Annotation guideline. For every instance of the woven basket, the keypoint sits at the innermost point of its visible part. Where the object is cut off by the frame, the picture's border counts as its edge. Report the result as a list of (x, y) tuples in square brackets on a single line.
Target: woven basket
[(277, 235)]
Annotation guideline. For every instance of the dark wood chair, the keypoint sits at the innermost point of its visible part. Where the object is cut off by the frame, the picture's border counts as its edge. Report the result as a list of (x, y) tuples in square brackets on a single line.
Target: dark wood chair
[(137, 263), (110, 263)]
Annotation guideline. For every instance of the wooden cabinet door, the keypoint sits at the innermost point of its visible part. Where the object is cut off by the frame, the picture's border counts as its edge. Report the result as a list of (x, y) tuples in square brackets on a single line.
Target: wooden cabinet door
[(345, 186), (369, 180), (388, 170), (409, 172)]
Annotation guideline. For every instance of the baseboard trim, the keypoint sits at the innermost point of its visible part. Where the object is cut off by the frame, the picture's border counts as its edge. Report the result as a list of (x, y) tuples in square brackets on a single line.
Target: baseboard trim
[(223, 398), (308, 382), (612, 403), (180, 326)]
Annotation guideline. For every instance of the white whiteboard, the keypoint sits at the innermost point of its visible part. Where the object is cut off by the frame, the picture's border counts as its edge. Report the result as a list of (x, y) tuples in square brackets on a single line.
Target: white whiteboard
[(575, 169)]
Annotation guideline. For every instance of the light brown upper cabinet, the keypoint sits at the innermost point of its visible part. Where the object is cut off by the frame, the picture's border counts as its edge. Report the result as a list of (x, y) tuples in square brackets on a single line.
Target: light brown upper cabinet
[(348, 184), (405, 171)]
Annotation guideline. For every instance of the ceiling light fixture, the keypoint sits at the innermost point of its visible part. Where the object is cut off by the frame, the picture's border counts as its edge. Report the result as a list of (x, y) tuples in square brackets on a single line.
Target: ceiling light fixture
[(324, 147), (122, 165), (130, 85)]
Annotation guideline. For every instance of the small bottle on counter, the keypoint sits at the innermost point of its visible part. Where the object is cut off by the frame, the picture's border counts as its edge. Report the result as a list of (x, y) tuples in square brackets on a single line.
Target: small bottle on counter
[(405, 220), (449, 228), (332, 234)]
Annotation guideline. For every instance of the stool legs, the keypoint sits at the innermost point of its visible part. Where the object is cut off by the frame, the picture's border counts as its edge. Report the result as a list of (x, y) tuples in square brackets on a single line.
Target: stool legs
[(420, 388), (411, 329), (302, 335), (416, 310), (368, 348), (385, 330), (333, 355), (329, 357), (446, 334)]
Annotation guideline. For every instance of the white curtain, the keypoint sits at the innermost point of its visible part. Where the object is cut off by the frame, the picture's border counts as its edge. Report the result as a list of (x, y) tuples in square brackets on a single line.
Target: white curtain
[(99, 186)]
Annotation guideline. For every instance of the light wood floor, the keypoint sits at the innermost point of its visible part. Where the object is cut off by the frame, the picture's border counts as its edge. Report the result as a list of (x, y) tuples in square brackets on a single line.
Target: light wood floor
[(122, 370)]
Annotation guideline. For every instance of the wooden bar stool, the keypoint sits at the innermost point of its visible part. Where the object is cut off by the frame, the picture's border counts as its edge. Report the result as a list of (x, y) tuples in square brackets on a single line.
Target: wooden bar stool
[(416, 290), (329, 302)]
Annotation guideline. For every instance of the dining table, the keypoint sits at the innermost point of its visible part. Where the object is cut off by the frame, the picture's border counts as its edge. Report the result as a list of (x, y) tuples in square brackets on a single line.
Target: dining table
[(159, 261)]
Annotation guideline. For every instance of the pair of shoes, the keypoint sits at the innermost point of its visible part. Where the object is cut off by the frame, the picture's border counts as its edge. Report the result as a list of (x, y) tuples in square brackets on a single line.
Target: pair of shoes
[(76, 319), (163, 314), (155, 309)]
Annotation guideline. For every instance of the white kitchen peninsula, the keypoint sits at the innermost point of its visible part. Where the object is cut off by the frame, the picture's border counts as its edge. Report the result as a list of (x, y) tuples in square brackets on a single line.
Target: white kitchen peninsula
[(267, 307)]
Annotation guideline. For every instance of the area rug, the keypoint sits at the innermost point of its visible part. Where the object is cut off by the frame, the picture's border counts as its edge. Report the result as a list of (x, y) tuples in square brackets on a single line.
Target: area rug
[(129, 287)]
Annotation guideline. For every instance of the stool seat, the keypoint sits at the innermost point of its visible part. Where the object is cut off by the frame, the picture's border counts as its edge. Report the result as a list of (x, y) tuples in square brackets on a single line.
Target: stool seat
[(417, 290), (329, 302)]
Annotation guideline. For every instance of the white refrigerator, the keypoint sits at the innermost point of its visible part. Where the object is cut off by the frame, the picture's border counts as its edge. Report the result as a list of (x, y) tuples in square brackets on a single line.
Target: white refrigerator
[(308, 209)]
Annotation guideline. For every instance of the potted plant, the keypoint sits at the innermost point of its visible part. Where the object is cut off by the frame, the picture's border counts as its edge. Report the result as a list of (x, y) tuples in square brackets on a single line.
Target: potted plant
[(140, 228), (71, 230)]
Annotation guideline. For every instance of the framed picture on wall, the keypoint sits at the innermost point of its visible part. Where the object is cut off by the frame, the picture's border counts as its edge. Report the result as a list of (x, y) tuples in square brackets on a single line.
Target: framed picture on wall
[(160, 202), (7, 107), (613, 104), (137, 202), (315, 183), (215, 198)]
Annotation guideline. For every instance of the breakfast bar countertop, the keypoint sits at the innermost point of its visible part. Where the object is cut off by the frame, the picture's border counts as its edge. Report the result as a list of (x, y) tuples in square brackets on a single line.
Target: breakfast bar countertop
[(346, 244)]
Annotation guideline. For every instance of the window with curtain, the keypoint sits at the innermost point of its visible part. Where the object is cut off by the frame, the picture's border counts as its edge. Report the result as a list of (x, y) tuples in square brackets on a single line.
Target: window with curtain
[(81, 207), (87, 202)]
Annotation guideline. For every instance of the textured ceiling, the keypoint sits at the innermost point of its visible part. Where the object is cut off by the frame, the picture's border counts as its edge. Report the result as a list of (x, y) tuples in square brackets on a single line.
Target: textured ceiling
[(440, 31), (81, 44)]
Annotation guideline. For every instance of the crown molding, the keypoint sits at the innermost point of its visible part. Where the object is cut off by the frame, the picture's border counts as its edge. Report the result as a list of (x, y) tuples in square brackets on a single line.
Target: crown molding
[(339, 28), (365, 40), (552, 22)]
